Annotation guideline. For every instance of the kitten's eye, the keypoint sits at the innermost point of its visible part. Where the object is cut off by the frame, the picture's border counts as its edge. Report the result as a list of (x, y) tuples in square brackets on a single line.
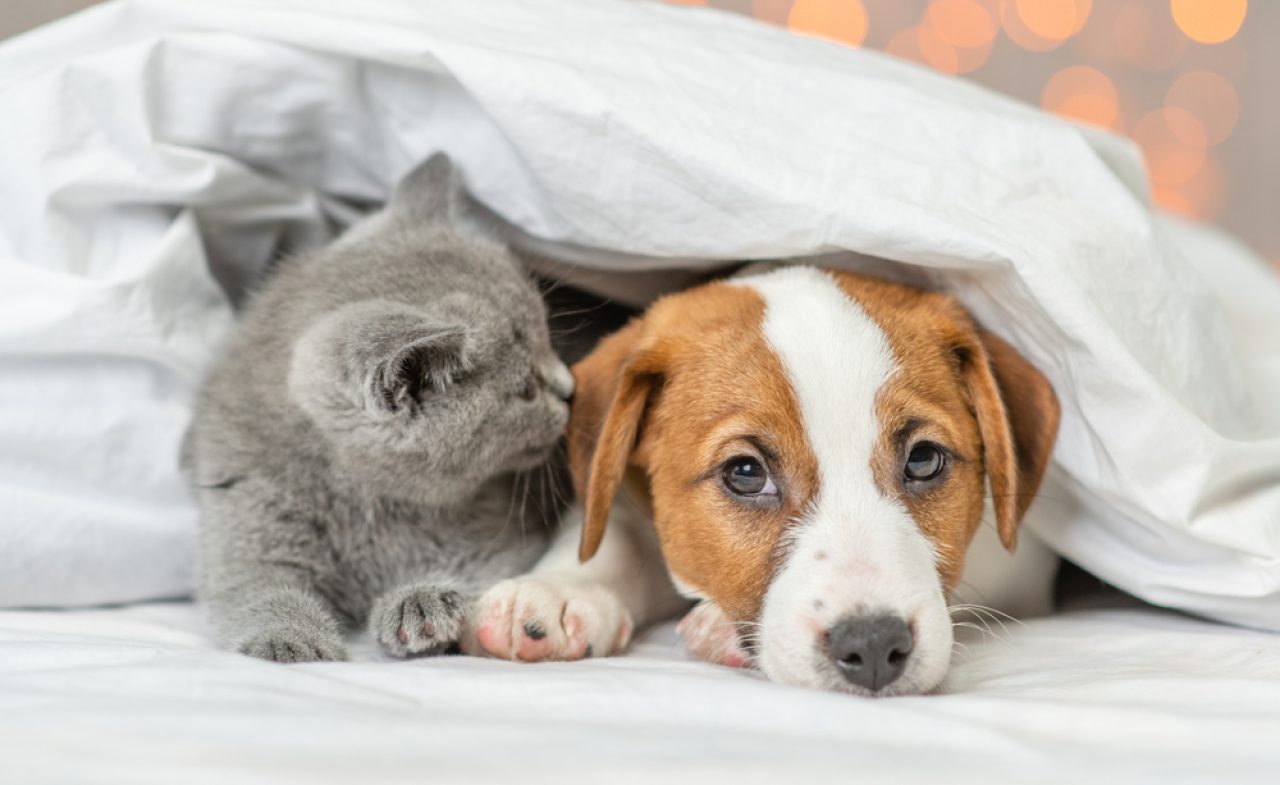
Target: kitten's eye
[(531, 387), (746, 476), (925, 462)]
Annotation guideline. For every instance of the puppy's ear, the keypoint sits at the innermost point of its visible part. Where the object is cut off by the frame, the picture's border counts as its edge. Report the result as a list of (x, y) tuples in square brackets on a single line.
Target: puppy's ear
[(1018, 416), (614, 383)]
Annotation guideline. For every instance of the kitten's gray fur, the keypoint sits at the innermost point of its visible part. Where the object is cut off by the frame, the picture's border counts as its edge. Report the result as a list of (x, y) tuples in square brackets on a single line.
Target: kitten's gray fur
[(356, 448)]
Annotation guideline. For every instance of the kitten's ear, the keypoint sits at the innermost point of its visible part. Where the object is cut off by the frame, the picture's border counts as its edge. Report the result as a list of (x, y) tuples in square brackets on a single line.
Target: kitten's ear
[(427, 362), (378, 357), (433, 192)]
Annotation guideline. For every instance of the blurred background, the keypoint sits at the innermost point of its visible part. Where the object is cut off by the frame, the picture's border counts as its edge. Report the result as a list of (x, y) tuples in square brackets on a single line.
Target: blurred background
[(1193, 82)]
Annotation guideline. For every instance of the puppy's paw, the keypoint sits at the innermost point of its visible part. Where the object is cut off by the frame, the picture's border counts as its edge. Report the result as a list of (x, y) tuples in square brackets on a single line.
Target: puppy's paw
[(535, 618), (712, 636), (293, 643), (419, 619)]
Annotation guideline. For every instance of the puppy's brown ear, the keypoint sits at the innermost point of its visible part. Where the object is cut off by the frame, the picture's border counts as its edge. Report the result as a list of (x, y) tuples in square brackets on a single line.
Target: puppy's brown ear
[(1018, 419), (613, 387)]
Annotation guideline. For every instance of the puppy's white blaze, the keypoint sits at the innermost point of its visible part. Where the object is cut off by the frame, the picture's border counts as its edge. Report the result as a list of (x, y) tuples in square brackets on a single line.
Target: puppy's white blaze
[(856, 551)]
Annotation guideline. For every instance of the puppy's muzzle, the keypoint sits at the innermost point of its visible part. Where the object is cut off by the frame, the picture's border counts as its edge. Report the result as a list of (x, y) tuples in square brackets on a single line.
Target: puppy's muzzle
[(870, 651)]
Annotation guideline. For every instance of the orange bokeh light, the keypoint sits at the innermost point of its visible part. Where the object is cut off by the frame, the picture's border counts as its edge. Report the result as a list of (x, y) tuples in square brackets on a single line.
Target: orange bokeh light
[(773, 11), (839, 20), (1022, 35), (1208, 190), (1209, 98), (1054, 20), (1147, 40), (1082, 93), (905, 45), (970, 59), (935, 50), (1202, 197), (1209, 21), (925, 45), (1170, 159), (962, 23), (1172, 199)]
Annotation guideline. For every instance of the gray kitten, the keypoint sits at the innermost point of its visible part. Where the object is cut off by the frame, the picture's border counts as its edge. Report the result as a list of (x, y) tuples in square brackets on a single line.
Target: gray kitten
[(356, 449)]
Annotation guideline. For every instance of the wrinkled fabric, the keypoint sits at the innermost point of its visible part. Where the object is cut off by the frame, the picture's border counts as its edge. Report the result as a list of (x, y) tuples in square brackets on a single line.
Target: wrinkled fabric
[(155, 155), (138, 695)]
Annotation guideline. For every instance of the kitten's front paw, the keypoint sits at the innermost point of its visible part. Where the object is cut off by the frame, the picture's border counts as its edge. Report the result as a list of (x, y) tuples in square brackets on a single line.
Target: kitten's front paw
[(419, 619), (535, 618), (290, 644), (712, 636)]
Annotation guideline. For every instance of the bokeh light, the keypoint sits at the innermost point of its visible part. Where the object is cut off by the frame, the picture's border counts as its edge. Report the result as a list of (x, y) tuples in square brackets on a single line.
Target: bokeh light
[(1201, 197), (1147, 39), (965, 24), (774, 11), (1082, 93), (1207, 191), (1138, 67), (905, 44), (1161, 134), (1054, 20), (1022, 35), (1210, 98), (839, 20), (1209, 21), (936, 51)]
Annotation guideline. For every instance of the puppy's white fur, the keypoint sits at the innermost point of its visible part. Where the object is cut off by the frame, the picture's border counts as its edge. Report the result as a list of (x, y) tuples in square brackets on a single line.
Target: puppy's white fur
[(855, 552)]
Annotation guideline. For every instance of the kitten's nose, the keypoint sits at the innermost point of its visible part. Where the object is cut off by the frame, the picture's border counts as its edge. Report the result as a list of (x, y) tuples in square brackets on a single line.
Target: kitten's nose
[(560, 381)]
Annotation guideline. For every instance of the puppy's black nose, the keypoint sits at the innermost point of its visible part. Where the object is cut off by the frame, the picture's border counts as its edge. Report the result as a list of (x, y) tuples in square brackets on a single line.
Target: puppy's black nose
[(870, 651)]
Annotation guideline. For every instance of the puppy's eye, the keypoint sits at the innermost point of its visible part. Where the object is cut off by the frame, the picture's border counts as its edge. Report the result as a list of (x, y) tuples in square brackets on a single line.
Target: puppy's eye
[(925, 462), (746, 476), (531, 386)]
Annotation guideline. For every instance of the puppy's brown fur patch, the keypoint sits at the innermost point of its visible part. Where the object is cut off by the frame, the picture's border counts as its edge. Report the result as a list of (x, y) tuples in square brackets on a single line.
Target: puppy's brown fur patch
[(679, 393)]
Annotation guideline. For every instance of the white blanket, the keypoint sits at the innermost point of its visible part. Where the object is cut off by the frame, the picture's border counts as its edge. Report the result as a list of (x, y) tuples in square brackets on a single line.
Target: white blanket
[(149, 148), (137, 696)]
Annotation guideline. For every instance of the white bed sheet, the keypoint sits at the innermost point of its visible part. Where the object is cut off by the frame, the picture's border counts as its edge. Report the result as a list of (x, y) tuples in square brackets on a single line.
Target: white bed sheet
[(139, 695), (149, 147)]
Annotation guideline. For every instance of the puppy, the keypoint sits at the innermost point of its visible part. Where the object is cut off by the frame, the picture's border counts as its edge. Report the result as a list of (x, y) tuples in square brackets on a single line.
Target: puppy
[(803, 452)]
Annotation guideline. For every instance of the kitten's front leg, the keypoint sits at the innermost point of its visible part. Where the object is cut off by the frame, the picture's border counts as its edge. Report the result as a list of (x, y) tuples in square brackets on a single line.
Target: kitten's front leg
[(418, 619), (282, 623), (258, 582), (567, 610)]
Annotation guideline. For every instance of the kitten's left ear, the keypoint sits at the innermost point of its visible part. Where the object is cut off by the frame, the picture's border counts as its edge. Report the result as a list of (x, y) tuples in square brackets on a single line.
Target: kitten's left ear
[(432, 192), (427, 362), (379, 357)]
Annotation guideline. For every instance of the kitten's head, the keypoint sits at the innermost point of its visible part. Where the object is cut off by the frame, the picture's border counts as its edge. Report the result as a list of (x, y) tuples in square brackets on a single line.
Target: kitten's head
[(426, 397)]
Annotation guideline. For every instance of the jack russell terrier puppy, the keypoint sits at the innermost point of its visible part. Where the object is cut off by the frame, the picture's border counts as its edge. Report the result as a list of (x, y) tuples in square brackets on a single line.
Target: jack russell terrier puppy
[(804, 452)]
